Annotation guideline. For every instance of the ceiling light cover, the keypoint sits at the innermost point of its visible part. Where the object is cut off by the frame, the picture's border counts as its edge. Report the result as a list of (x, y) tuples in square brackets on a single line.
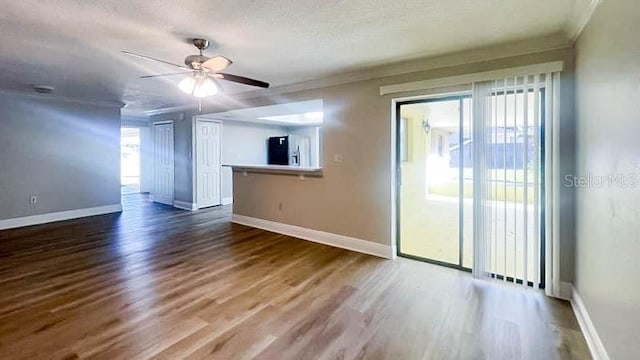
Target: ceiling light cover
[(187, 84), (199, 86)]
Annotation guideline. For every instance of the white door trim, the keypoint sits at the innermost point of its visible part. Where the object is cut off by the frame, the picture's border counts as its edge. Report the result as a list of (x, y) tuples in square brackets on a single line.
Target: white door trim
[(154, 196), (194, 158)]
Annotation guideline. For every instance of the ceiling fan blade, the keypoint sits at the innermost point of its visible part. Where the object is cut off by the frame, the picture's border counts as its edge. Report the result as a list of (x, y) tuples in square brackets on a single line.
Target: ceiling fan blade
[(217, 63), (154, 59), (158, 75), (243, 80)]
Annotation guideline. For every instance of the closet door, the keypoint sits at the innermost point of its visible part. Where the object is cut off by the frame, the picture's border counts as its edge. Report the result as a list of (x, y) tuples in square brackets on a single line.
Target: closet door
[(163, 163), (208, 163)]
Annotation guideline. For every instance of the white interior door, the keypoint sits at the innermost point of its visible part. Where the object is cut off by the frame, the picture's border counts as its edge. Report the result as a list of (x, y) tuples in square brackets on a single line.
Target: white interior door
[(163, 163), (207, 163)]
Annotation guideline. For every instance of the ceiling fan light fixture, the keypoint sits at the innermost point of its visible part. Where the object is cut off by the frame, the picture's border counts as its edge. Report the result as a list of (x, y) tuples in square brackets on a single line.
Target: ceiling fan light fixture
[(199, 85), (205, 72), (187, 84), (205, 87)]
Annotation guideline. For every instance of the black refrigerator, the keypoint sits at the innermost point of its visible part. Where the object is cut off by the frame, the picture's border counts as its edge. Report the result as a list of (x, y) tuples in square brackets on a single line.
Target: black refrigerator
[(278, 150)]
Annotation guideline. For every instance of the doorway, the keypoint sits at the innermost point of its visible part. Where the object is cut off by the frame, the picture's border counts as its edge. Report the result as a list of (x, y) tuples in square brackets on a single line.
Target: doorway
[(435, 191), (129, 161), (435, 188)]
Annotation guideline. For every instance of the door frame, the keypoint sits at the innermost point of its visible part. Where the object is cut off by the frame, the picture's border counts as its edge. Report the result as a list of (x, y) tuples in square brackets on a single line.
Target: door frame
[(397, 175), (194, 159), (394, 130), (173, 165)]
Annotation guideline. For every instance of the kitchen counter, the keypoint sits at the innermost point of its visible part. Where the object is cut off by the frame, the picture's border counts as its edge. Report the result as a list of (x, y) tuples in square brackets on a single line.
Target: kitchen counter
[(276, 169)]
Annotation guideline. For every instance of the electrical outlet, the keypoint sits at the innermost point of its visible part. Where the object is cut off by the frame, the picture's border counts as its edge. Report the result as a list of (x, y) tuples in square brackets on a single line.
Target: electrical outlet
[(33, 200)]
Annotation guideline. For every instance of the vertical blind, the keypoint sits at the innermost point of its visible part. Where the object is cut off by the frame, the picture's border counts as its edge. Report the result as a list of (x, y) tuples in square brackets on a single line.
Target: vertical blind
[(513, 155)]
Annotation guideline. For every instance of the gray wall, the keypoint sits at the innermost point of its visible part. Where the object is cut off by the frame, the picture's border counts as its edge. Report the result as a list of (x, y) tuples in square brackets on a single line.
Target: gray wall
[(244, 143), (183, 179), (146, 159), (607, 217), (65, 153)]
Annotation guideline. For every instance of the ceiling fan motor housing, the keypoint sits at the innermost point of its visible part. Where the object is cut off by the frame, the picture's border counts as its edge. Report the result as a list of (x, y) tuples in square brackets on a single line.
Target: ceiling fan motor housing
[(195, 61), (201, 44)]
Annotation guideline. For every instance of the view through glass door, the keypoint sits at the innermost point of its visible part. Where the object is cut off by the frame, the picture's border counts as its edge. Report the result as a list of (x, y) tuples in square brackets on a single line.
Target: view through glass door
[(435, 187), (435, 197)]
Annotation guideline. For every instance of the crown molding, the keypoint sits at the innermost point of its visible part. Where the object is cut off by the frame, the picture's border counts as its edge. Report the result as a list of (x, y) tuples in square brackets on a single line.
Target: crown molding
[(24, 94), (170, 109), (522, 48), (581, 18)]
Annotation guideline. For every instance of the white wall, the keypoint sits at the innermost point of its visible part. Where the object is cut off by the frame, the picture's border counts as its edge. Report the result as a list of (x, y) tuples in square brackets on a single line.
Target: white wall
[(65, 153), (244, 143), (607, 222)]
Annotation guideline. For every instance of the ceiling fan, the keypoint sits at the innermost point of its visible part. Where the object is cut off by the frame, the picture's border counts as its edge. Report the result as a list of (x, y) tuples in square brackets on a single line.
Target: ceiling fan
[(205, 72)]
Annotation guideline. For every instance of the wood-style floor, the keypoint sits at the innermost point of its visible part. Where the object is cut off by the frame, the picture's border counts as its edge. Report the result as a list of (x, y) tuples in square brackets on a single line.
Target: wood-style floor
[(156, 282)]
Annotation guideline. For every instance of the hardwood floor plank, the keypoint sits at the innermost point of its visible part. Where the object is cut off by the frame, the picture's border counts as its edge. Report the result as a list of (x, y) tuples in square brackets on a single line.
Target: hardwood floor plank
[(160, 283)]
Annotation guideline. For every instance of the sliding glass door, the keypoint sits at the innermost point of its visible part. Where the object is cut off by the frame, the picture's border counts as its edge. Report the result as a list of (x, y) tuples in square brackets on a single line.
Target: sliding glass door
[(437, 143), (435, 195)]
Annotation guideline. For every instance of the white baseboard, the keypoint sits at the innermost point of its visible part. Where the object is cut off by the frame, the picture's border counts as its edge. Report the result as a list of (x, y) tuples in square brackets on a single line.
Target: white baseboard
[(227, 200), (58, 216), (185, 205), (598, 351), (341, 241)]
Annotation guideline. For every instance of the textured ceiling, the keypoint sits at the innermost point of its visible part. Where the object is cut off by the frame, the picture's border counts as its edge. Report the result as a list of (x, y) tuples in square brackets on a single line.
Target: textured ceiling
[(74, 45)]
